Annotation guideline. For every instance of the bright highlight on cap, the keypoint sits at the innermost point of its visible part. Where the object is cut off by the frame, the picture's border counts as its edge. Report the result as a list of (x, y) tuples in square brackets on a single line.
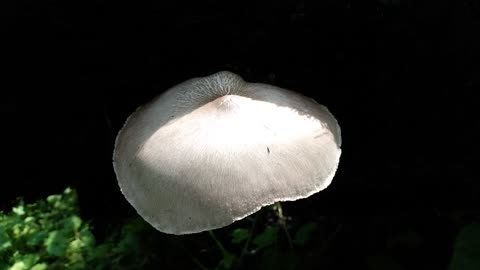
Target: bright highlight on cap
[(216, 149)]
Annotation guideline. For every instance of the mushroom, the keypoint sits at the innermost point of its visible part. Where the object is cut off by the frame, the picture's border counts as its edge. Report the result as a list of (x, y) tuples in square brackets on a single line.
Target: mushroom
[(215, 149)]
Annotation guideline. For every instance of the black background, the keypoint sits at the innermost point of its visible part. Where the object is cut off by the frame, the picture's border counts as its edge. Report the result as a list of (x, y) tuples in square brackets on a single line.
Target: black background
[(400, 76)]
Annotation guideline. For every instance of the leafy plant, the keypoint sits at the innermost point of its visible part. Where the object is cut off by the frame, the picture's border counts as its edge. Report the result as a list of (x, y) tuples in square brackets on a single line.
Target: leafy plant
[(45, 235), (49, 234), (267, 247)]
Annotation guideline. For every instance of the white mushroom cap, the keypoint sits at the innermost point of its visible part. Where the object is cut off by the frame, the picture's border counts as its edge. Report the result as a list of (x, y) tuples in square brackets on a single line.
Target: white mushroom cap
[(216, 149)]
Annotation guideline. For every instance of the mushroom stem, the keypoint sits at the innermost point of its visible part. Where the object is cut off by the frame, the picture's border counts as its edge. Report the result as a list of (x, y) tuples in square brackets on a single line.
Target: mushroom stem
[(282, 220)]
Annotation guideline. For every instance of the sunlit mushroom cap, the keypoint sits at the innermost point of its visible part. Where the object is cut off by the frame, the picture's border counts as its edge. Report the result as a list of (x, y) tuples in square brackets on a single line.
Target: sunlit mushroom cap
[(216, 149)]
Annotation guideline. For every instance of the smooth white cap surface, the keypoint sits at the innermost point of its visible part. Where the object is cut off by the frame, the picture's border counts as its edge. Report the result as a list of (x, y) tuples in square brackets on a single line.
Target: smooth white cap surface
[(216, 149)]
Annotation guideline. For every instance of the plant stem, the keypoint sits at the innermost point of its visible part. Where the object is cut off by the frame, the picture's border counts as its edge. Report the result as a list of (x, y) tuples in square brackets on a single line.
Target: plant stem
[(194, 259), (197, 262), (283, 223), (247, 244), (279, 209), (219, 245)]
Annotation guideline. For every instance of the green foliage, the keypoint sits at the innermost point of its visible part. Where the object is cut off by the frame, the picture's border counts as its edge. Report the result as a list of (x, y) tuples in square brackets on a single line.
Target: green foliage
[(304, 233), (466, 254), (267, 238), (227, 261), (269, 246), (239, 235), (49, 234)]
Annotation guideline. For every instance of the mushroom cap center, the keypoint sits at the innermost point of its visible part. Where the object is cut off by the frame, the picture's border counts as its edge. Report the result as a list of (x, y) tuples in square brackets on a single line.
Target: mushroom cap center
[(227, 102)]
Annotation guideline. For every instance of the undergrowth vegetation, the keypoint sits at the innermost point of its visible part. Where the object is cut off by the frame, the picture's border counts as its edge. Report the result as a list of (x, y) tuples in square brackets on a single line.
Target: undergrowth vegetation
[(50, 234)]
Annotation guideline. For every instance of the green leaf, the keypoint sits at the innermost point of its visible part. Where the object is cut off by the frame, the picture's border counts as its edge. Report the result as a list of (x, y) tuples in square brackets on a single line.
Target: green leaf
[(240, 235), (19, 210), (4, 266), (39, 266), (53, 198), (76, 246), (29, 219), (228, 260), (87, 238), (56, 243), (266, 238), (129, 242), (37, 238), (18, 266), (5, 242), (466, 254), (25, 261), (303, 234), (73, 223)]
